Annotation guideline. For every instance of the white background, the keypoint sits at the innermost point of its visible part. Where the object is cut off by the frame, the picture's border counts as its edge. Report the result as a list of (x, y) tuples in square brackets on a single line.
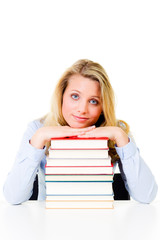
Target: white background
[(40, 39)]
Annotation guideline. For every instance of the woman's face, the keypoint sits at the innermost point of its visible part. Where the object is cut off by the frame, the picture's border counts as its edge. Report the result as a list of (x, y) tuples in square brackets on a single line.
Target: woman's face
[(82, 103)]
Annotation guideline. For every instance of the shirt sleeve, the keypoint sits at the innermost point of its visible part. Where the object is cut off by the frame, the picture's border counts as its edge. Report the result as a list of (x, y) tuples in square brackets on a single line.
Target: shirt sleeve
[(138, 178), (18, 186)]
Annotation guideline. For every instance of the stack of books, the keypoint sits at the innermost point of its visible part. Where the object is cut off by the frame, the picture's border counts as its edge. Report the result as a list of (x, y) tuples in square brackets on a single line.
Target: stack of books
[(79, 174)]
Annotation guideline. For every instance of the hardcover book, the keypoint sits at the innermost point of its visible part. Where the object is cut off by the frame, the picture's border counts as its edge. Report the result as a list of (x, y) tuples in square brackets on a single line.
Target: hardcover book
[(79, 188), (79, 143), (80, 153), (79, 178), (80, 170), (55, 162)]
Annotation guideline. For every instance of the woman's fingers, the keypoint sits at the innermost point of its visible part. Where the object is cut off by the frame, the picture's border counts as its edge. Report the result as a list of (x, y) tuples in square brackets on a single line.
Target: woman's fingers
[(97, 132), (66, 131), (86, 135), (81, 131)]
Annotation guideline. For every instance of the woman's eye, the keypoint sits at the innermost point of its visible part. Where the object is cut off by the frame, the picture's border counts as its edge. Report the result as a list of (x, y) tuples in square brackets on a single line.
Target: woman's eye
[(93, 101), (75, 96)]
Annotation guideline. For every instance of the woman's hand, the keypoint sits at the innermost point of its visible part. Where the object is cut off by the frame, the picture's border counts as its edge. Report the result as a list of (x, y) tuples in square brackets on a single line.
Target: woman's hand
[(44, 134), (113, 133)]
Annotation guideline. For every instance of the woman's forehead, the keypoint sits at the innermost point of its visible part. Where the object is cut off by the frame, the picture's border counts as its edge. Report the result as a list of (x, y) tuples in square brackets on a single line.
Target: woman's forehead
[(83, 83)]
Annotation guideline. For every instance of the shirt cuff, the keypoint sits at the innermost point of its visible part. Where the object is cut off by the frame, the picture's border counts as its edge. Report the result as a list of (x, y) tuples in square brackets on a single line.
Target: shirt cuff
[(126, 151)]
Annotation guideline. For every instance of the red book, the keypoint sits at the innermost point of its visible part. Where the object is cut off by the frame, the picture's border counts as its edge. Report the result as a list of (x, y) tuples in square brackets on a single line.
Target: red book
[(79, 143)]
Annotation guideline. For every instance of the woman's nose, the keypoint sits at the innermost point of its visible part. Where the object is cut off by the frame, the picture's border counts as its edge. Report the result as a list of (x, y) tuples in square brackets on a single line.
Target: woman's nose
[(82, 107)]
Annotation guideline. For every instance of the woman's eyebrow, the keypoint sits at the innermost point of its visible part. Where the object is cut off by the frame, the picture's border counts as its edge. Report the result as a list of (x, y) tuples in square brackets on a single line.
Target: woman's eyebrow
[(96, 97), (75, 90)]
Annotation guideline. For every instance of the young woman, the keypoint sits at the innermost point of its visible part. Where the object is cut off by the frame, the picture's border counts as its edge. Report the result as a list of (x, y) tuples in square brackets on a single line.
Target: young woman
[(83, 106)]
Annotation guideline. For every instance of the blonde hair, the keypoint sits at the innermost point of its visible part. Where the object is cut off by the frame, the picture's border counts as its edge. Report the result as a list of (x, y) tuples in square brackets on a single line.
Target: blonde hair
[(96, 72)]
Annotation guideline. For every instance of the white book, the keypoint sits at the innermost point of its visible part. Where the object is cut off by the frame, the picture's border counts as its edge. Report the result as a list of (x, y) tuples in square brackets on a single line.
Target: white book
[(79, 170), (78, 161), (79, 188), (79, 143), (81, 153), (79, 204), (102, 177), (79, 197)]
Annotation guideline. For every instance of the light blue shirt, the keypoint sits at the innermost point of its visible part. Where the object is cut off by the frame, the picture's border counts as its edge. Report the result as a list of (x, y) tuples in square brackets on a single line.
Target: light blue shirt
[(18, 186)]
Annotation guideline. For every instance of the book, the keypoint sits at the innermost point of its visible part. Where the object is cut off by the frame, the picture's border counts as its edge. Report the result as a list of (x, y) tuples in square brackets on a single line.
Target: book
[(101, 204), (78, 161), (79, 188), (79, 197), (80, 170), (79, 143), (79, 178), (79, 174), (80, 153)]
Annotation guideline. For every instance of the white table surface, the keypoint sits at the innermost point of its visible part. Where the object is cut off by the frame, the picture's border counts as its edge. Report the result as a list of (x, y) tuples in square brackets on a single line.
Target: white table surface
[(128, 220)]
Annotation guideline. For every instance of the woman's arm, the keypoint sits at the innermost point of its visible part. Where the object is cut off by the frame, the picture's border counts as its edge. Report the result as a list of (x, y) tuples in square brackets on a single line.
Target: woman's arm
[(44, 134), (137, 176), (115, 134), (18, 186)]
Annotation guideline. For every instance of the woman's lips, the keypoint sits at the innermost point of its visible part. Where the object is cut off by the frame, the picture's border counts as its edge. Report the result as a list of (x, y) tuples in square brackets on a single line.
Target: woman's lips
[(80, 119)]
